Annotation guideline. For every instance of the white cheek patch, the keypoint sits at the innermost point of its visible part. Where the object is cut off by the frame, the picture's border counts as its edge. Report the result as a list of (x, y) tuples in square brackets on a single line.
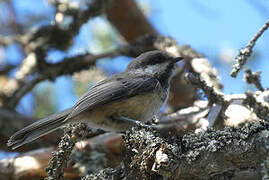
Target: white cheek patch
[(151, 69)]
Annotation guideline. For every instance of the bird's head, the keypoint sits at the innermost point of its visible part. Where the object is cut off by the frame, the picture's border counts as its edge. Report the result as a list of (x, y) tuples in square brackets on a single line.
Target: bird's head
[(154, 63)]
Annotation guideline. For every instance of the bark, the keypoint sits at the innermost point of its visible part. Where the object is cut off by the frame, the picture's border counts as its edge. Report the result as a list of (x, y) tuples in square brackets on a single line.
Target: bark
[(227, 154)]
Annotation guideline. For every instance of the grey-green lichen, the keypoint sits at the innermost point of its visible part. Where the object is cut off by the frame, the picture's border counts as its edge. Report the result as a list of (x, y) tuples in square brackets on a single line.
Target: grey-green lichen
[(108, 173), (61, 156), (206, 155)]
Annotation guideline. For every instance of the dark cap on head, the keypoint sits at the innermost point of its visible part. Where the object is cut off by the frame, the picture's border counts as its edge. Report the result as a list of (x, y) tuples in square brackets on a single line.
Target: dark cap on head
[(152, 58)]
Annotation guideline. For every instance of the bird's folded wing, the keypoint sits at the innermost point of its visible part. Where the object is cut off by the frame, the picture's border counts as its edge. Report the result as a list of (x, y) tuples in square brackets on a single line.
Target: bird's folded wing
[(111, 90)]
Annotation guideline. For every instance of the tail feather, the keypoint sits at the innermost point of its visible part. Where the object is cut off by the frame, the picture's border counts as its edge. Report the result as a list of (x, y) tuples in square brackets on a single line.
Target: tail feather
[(38, 129)]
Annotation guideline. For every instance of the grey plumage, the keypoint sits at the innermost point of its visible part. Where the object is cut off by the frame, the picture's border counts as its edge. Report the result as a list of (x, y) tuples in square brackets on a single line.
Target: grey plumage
[(118, 87), (136, 94)]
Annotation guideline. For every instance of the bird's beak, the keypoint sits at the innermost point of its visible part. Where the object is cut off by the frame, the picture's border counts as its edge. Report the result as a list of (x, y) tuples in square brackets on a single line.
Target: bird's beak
[(175, 60)]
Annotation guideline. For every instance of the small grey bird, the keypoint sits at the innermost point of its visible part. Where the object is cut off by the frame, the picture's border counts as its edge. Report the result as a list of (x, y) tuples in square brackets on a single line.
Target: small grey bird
[(116, 103)]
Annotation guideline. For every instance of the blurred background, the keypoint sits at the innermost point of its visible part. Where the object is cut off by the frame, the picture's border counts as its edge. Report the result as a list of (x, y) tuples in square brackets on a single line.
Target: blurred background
[(216, 29)]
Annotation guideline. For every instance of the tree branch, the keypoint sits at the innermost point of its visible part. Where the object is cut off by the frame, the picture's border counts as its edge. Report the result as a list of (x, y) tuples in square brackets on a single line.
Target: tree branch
[(246, 52), (61, 156), (38, 42), (206, 155)]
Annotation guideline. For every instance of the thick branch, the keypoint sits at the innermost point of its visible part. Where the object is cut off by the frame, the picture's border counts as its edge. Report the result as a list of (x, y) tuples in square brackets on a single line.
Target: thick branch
[(206, 155), (61, 156)]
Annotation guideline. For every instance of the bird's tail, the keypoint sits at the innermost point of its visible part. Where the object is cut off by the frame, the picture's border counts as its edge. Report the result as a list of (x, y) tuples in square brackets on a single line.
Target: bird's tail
[(38, 129)]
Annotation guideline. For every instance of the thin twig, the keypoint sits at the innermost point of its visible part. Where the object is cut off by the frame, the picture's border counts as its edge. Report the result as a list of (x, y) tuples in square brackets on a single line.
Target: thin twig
[(253, 78), (246, 52)]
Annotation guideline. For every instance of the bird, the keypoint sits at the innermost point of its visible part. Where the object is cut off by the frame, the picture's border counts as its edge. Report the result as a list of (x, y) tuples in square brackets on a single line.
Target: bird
[(116, 103)]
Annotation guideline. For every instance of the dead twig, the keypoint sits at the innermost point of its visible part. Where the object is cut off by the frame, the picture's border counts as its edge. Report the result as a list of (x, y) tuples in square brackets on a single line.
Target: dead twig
[(253, 78), (246, 52)]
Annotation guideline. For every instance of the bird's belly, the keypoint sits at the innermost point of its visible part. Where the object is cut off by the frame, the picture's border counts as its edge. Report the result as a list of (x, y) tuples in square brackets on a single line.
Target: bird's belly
[(140, 108)]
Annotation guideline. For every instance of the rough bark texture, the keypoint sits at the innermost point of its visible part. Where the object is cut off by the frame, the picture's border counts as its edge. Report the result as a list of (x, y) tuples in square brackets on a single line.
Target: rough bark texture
[(227, 154)]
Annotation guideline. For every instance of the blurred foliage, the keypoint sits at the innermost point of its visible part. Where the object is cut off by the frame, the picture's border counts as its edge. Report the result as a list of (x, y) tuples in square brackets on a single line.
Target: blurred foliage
[(44, 103), (104, 36), (85, 79)]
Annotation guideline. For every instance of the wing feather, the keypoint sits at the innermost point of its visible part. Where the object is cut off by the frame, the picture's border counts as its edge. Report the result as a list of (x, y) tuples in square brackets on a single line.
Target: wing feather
[(113, 89)]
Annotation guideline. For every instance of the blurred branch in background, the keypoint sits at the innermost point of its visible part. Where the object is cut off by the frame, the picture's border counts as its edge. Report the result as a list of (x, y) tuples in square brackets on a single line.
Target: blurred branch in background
[(11, 22), (65, 67), (172, 152), (131, 25), (12, 168), (57, 36)]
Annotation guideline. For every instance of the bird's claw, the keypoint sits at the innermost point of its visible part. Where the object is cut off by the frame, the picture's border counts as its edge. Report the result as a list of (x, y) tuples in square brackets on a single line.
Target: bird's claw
[(142, 125)]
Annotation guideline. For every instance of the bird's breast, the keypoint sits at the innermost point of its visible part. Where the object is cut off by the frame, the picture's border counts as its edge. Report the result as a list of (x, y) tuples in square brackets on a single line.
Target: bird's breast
[(140, 107)]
